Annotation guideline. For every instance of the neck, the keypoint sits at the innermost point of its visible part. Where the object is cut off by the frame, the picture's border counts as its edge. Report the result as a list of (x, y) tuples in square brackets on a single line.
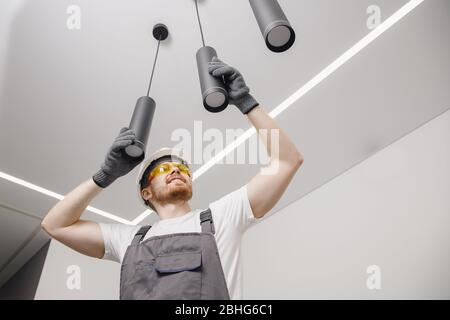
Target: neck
[(172, 210)]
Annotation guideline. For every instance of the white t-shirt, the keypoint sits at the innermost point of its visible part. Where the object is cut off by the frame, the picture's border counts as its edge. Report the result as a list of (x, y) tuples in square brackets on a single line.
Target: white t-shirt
[(232, 215)]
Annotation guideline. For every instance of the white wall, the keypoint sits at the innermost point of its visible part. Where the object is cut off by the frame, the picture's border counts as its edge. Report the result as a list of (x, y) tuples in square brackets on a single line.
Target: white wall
[(99, 279), (392, 210), (8, 9)]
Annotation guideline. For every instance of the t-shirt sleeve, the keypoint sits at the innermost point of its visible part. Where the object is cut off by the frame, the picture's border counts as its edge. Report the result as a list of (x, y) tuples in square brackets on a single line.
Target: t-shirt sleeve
[(235, 209), (117, 237)]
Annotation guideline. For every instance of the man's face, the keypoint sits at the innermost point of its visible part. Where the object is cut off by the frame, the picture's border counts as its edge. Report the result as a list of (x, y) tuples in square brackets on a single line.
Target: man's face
[(171, 186)]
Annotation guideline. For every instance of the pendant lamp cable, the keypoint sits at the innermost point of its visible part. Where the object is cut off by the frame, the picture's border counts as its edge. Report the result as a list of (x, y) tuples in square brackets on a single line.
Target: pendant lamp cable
[(199, 23), (153, 69)]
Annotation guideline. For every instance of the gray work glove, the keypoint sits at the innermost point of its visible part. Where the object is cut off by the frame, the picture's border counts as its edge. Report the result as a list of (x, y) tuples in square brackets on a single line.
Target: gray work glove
[(117, 163), (238, 92)]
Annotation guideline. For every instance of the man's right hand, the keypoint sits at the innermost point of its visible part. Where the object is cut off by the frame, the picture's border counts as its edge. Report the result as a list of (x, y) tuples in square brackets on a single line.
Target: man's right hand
[(117, 163)]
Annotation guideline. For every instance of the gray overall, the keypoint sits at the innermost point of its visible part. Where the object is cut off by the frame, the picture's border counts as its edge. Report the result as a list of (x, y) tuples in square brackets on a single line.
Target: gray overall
[(174, 266)]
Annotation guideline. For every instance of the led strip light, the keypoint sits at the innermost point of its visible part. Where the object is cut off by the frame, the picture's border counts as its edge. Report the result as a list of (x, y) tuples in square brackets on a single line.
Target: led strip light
[(58, 196)]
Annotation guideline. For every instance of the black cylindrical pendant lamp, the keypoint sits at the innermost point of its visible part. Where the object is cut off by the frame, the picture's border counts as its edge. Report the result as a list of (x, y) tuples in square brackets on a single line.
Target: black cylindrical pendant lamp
[(275, 27), (140, 123), (142, 117), (214, 92)]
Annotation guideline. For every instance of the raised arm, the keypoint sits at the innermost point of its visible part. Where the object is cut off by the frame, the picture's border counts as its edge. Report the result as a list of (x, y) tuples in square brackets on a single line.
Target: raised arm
[(63, 221), (266, 188)]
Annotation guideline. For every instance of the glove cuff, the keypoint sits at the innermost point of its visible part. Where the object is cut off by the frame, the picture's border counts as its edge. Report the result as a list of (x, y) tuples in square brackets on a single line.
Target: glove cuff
[(102, 179), (246, 103)]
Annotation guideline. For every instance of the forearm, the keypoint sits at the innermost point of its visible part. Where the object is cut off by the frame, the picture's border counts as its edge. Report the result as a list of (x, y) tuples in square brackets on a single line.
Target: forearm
[(69, 210), (286, 149)]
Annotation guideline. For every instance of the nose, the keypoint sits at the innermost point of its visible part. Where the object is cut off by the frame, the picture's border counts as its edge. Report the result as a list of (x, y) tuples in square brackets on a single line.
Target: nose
[(176, 169)]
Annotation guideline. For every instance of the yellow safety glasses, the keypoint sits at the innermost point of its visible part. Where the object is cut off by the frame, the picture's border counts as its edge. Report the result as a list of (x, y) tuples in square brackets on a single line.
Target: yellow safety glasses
[(166, 167)]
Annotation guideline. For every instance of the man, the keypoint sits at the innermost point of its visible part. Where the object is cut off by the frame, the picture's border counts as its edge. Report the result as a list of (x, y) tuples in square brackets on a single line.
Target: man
[(187, 254)]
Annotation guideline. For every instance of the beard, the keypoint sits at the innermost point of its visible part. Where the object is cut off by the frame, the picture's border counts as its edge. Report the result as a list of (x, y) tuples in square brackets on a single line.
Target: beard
[(172, 192)]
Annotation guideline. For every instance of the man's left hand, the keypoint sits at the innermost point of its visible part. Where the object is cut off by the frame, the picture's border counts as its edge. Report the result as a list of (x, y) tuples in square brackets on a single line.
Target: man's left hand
[(238, 91)]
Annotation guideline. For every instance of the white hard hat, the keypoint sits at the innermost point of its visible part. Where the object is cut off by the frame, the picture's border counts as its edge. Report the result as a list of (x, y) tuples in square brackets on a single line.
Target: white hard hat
[(171, 154)]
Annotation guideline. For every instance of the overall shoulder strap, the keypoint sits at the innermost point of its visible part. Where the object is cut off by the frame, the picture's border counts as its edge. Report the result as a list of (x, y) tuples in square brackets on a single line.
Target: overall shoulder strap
[(140, 234), (206, 221)]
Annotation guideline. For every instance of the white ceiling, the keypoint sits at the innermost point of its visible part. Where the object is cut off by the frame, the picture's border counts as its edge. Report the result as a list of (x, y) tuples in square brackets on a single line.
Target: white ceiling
[(65, 94)]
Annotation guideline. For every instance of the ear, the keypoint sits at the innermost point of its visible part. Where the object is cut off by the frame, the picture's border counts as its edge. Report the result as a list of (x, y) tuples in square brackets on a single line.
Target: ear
[(146, 194)]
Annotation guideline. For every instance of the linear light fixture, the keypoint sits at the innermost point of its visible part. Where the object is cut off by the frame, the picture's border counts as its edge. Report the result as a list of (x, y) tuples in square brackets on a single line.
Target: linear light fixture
[(58, 196), (383, 27)]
